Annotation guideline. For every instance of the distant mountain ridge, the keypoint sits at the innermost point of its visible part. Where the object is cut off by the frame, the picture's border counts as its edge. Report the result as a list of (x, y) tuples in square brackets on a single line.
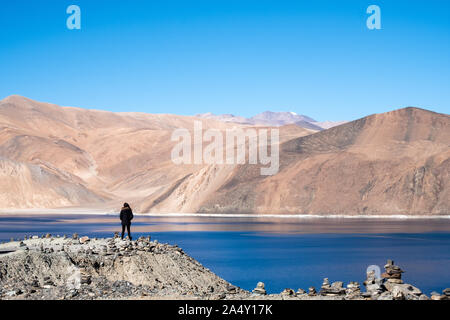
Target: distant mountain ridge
[(270, 118), (396, 162)]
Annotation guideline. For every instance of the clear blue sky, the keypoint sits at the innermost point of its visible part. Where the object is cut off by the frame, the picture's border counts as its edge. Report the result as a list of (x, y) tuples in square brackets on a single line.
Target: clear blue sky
[(243, 57)]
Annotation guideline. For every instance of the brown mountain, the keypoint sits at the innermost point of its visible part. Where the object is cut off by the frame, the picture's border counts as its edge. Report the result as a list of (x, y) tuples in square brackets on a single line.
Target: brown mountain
[(52, 156), (391, 163)]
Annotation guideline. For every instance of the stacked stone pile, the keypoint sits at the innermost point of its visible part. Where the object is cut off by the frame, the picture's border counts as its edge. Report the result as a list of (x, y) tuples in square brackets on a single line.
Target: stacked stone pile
[(260, 289), (335, 289), (374, 285), (393, 273), (353, 289), (391, 285)]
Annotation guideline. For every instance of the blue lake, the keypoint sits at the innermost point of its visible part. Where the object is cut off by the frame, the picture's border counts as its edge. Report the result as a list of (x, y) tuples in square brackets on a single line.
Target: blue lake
[(281, 252)]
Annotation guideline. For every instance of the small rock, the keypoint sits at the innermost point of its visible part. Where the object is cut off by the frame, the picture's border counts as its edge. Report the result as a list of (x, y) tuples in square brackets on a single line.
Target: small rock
[(288, 292), (220, 296), (35, 283), (338, 285), (396, 281), (385, 296), (231, 289), (407, 289), (436, 296), (300, 291), (73, 293), (397, 293), (312, 291), (11, 293), (84, 239)]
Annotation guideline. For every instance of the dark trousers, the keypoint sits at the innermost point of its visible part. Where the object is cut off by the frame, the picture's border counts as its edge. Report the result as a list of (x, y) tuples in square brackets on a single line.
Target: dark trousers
[(128, 230)]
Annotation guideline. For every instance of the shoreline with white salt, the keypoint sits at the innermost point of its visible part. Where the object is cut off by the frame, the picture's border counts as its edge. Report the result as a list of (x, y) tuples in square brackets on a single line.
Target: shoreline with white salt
[(96, 211)]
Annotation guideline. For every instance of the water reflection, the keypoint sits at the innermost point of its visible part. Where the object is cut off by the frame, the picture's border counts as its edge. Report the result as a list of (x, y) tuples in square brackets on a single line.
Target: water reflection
[(150, 224), (270, 225)]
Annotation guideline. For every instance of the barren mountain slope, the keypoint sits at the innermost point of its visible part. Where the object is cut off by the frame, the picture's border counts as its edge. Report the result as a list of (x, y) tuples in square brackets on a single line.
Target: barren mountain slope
[(26, 185), (392, 163), (110, 156)]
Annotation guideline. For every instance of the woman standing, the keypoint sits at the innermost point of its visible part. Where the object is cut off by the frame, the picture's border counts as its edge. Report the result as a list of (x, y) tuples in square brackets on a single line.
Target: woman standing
[(126, 215)]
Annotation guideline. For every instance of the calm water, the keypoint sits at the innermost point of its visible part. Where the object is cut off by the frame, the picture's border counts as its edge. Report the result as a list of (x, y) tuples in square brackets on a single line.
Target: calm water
[(287, 252)]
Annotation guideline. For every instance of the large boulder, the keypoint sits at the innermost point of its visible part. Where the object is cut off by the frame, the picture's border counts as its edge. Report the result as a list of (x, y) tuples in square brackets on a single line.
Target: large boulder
[(406, 290)]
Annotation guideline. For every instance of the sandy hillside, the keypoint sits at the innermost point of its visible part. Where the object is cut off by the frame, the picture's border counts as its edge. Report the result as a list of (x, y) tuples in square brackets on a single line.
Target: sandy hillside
[(392, 163), (51, 156)]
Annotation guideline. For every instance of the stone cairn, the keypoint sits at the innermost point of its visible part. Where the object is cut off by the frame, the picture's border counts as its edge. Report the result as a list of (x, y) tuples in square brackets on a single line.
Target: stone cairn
[(393, 273), (445, 294), (300, 291), (373, 285), (391, 285), (288, 293), (353, 289), (260, 289), (335, 289)]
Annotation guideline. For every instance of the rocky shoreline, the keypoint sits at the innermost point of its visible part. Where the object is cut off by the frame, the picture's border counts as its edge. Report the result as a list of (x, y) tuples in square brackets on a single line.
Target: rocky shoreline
[(60, 268)]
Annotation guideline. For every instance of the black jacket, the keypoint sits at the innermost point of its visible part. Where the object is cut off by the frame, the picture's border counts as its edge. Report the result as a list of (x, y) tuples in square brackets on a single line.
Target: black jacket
[(126, 215)]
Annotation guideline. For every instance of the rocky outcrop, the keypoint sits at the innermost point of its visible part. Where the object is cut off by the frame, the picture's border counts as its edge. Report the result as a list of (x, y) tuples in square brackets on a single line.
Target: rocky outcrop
[(83, 268)]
